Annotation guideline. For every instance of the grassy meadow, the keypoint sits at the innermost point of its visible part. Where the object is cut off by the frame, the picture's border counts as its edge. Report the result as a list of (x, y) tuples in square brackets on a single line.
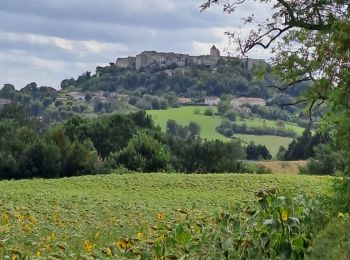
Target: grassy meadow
[(272, 142), (91, 216), (185, 115)]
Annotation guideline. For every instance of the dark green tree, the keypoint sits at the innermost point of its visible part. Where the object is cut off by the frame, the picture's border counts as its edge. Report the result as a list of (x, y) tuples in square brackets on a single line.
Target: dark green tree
[(144, 154), (321, 30)]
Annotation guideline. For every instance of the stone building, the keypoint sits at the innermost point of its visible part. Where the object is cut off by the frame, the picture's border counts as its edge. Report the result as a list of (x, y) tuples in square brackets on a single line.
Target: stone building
[(126, 63), (238, 102), (214, 52), (160, 59), (153, 59), (212, 101)]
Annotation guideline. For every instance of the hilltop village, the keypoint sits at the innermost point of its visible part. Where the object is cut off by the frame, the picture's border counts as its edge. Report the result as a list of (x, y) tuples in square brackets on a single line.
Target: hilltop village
[(148, 60), (157, 80), (156, 59)]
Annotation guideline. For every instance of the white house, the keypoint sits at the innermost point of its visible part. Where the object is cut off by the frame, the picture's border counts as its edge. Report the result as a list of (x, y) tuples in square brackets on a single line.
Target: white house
[(184, 100), (212, 101), (77, 95), (238, 102)]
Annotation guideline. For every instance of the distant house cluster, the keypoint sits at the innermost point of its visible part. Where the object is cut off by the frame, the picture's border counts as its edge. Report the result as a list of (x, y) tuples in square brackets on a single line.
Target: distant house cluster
[(101, 95), (238, 102), (212, 101), (209, 101), (161, 59), (184, 100)]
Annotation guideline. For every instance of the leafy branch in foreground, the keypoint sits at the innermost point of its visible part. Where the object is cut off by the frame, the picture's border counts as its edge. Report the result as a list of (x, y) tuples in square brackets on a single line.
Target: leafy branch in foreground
[(309, 40)]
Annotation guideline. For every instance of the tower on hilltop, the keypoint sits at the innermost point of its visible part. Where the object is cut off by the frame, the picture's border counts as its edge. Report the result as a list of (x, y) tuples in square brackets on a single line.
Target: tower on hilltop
[(214, 52)]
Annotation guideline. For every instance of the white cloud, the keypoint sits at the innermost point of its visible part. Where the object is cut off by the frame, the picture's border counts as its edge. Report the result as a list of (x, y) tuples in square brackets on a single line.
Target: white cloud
[(49, 40), (149, 5)]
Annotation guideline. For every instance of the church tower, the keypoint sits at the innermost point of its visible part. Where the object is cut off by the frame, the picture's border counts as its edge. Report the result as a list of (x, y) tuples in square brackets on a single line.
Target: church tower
[(214, 52)]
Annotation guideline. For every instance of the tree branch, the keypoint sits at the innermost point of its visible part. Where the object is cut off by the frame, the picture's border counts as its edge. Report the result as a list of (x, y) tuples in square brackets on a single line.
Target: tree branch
[(290, 84)]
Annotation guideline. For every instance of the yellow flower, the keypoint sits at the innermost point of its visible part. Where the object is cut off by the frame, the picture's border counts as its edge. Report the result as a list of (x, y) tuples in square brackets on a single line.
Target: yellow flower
[(5, 217), (109, 251), (160, 215), (88, 246), (284, 215), (97, 235), (14, 257), (38, 253), (123, 244), (139, 235)]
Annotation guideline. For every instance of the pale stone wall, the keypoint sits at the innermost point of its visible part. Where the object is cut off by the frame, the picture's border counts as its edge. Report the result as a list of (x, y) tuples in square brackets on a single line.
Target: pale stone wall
[(237, 102), (128, 62), (153, 58), (212, 101)]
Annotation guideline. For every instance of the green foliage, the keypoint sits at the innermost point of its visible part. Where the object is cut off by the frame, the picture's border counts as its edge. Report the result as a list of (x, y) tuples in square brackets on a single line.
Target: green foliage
[(98, 105), (230, 115), (257, 152), (274, 227), (281, 153), (19, 114), (333, 242), (203, 156), (223, 107), (209, 112), (228, 128), (109, 133), (154, 212), (326, 161), (255, 168), (58, 103), (184, 132), (47, 101), (303, 147), (51, 155), (8, 91), (143, 153)]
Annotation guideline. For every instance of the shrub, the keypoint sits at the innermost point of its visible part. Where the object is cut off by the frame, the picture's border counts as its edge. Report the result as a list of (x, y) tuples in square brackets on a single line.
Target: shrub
[(209, 112), (231, 115), (58, 103), (144, 153)]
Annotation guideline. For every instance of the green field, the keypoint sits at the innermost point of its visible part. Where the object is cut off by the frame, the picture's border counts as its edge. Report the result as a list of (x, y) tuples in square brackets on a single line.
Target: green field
[(185, 115), (272, 142), (86, 216), (268, 123)]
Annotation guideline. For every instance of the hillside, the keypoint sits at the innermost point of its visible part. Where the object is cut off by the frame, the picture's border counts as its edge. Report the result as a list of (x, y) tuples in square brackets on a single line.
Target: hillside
[(152, 81), (185, 115), (44, 217)]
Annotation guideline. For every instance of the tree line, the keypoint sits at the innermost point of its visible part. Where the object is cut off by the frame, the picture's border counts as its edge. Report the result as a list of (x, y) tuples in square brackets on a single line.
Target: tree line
[(29, 149)]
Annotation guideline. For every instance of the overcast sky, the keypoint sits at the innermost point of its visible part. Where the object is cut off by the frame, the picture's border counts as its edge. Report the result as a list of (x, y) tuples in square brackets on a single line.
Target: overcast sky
[(49, 40)]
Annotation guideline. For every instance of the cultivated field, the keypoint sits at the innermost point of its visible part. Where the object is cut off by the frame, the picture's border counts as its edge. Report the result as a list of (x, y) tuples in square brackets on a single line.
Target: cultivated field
[(283, 167), (185, 115), (100, 216)]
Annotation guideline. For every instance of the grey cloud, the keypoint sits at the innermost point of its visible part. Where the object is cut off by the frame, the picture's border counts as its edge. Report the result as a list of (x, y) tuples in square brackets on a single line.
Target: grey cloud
[(185, 13), (137, 25)]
